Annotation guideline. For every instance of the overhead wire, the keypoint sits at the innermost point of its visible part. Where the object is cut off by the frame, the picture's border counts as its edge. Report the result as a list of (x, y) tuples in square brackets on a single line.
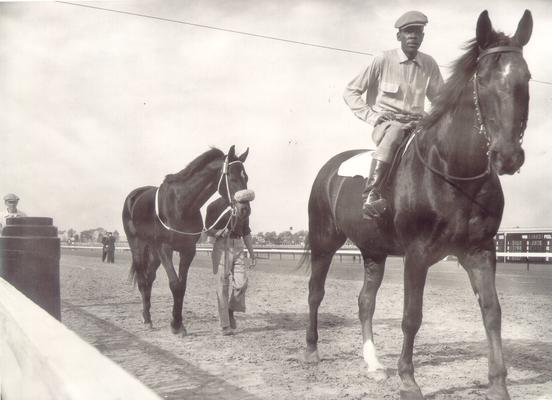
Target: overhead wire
[(260, 36)]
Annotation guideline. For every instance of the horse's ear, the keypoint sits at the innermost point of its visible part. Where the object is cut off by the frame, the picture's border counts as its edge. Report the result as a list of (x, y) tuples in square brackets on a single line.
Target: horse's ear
[(524, 29), (243, 156), (232, 153), (484, 29)]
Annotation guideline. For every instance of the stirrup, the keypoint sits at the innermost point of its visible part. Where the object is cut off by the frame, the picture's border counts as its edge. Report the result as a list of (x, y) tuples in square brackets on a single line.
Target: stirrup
[(374, 209)]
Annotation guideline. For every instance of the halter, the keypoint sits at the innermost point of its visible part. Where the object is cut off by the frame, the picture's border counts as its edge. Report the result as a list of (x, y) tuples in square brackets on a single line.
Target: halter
[(479, 122), (230, 207)]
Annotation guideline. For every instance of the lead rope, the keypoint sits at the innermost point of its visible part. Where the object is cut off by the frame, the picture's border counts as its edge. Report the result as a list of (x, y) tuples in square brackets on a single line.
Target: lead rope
[(204, 229)]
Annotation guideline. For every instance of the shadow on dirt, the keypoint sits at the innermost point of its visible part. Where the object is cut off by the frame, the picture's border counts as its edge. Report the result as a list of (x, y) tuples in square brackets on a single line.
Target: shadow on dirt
[(300, 321), (524, 355)]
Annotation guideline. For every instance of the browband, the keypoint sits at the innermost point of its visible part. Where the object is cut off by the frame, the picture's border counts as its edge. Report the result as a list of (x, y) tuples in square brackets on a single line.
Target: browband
[(499, 49)]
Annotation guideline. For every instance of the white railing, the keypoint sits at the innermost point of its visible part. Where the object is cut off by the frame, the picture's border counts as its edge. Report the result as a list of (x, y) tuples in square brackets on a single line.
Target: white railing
[(300, 251), (42, 359)]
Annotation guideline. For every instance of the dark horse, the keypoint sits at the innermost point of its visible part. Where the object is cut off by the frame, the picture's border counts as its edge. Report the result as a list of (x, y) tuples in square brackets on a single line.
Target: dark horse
[(445, 199), (158, 221)]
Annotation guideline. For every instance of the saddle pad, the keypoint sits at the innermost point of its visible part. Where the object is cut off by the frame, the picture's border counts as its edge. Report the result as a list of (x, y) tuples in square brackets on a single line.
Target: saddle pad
[(357, 165)]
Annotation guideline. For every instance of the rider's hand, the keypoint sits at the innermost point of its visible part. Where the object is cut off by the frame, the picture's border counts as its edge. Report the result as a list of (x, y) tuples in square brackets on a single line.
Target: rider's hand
[(410, 125), (385, 116)]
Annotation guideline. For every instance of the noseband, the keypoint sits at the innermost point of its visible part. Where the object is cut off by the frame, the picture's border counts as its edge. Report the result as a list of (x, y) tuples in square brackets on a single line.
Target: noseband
[(479, 122), (230, 207)]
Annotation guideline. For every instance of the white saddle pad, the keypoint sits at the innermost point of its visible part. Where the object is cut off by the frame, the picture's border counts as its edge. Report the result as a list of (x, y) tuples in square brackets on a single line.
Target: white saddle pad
[(357, 165)]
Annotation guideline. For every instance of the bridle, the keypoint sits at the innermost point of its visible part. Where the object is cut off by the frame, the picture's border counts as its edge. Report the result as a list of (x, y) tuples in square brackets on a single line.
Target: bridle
[(231, 207), (479, 123)]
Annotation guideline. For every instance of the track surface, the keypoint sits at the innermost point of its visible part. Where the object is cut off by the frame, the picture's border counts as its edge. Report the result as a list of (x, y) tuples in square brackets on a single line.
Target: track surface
[(264, 359)]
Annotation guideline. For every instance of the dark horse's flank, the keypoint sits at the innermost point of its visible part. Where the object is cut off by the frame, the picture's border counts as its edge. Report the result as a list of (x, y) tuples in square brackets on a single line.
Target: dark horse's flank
[(445, 199), (158, 221)]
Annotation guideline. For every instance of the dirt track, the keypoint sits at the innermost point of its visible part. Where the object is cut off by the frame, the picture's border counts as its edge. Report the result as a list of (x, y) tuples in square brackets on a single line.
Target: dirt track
[(264, 359)]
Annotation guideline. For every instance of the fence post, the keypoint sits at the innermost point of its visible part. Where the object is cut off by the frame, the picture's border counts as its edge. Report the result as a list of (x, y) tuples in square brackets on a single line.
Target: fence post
[(29, 260)]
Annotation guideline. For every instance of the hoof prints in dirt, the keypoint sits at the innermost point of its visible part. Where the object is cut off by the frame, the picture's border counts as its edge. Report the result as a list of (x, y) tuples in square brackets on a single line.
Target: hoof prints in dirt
[(174, 377)]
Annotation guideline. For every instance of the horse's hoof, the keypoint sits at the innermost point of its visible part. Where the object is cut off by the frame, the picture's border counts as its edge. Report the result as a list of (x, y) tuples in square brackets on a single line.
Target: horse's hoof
[(497, 393), (179, 330), (149, 325), (378, 375), (312, 357), (413, 394)]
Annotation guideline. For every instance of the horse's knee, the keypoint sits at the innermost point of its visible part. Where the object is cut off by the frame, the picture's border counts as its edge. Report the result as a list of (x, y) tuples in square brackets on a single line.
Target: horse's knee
[(492, 313), (315, 296), (366, 304), (176, 287), (411, 323)]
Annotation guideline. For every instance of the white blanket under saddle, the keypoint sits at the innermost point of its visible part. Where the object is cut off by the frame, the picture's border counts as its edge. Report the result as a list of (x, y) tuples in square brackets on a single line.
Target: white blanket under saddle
[(357, 165), (361, 163)]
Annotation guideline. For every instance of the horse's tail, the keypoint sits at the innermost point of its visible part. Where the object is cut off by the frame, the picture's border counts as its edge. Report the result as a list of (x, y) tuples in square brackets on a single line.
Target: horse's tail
[(138, 247), (139, 264), (304, 261)]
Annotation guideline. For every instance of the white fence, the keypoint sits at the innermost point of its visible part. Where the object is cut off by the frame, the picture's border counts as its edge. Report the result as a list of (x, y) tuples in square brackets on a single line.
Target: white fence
[(42, 359), (340, 253)]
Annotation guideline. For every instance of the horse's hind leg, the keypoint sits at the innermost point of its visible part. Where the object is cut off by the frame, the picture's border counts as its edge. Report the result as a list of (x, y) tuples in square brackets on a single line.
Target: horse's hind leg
[(145, 282), (481, 267), (373, 275), (321, 258)]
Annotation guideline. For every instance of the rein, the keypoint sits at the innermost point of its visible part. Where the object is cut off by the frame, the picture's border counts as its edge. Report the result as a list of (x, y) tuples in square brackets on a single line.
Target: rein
[(230, 207), (480, 123)]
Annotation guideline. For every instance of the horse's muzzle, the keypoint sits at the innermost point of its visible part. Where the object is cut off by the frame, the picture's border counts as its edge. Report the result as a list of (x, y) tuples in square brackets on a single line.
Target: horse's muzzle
[(507, 163)]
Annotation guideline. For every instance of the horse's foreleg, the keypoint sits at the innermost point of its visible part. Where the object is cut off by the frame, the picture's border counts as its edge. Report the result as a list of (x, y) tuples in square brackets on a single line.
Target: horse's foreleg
[(186, 258), (175, 285), (415, 275), (373, 275), (319, 272), (481, 267)]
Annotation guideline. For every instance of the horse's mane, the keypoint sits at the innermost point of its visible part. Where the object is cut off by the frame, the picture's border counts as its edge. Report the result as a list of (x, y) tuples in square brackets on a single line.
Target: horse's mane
[(462, 71), (196, 165)]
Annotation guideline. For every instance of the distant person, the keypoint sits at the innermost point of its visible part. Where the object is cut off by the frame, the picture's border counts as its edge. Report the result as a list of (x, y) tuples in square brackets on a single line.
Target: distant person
[(104, 247), (396, 84), (230, 234), (110, 248), (11, 200)]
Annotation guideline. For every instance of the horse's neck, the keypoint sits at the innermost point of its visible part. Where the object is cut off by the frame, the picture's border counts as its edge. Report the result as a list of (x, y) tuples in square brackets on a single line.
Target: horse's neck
[(192, 193), (455, 139)]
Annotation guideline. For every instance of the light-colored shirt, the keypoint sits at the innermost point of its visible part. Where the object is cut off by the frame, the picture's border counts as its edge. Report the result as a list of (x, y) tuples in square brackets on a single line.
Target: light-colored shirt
[(394, 83), (6, 214)]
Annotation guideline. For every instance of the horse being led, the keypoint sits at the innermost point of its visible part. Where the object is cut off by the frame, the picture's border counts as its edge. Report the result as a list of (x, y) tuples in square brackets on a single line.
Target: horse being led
[(445, 199), (158, 221)]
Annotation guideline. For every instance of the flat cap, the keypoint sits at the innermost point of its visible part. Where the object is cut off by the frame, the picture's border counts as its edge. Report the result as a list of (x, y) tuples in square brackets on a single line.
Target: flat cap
[(244, 195), (410, 18), (11, 197)]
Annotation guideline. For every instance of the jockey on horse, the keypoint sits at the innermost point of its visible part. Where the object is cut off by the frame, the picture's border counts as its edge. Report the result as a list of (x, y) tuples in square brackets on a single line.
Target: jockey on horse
[(396, 85)]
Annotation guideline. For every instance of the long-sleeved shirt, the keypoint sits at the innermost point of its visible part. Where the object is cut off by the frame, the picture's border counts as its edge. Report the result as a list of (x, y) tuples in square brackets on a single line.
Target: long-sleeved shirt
[(393, 83), (6, 214)]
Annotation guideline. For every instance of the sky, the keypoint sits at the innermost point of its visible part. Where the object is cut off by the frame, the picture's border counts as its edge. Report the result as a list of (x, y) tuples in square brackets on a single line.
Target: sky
[(97, 103)]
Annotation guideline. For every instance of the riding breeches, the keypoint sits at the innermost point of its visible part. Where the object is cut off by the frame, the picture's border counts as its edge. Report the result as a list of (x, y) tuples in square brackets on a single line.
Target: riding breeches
[(231, 277), (387, 136)]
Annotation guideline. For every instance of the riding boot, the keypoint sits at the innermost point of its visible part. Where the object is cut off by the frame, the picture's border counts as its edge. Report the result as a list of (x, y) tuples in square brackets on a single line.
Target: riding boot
[(374, 204)]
